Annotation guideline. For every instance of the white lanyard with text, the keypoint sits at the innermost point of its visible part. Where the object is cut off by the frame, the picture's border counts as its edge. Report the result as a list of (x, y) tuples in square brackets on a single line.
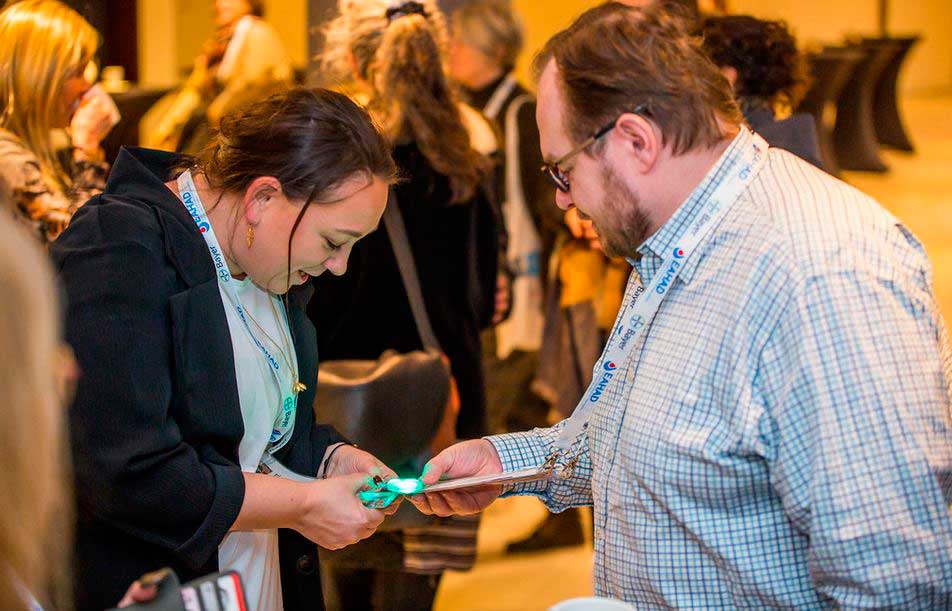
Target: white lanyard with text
[(284, 423), (642, 306)]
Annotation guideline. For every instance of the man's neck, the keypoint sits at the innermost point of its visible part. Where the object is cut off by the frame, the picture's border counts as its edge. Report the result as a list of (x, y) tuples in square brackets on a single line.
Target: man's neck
[(684, 173), (486, 79)]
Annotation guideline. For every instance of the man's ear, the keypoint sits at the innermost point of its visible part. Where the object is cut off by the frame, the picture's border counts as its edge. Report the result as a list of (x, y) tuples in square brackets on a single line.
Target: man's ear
[(258, 196), (639, 140)]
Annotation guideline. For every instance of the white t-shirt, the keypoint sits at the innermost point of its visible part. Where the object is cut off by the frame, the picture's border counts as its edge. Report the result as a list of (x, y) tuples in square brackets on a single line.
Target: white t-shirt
[(254, 554)]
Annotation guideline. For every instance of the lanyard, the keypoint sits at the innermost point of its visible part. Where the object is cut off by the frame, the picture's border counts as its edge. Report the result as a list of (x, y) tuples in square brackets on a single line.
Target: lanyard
[(641, 307), (494, 105), (284, 422)]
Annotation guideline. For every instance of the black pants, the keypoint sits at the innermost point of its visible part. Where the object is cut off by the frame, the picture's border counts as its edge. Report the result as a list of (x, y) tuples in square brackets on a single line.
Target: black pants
[(510, 403), (366, 589)]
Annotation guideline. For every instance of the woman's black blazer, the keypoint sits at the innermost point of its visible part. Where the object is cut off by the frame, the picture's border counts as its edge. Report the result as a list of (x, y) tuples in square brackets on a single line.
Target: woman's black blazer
[(156, 422)]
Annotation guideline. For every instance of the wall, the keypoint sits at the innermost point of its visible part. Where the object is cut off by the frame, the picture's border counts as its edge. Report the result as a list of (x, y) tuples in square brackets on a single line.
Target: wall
[(929, 67), (194, 26), (928, 70), (173, 30), (157, 49)]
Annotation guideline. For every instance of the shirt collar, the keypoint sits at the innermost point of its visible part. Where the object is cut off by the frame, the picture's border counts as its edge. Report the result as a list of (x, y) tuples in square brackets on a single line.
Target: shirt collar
[(658, 248)]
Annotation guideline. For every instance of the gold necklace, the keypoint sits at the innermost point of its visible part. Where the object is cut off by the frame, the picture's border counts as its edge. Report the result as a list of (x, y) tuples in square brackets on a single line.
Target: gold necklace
[(297, 386)]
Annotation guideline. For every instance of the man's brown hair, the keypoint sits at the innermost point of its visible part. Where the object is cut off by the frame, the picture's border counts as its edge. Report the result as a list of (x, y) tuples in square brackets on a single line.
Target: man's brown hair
[(615, 57)]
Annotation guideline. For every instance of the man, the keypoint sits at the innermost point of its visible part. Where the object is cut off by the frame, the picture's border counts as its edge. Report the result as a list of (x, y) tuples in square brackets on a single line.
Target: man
[(778, 432)]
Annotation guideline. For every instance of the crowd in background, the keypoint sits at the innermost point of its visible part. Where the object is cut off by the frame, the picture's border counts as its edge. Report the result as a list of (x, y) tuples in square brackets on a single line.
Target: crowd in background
[(520, 294)]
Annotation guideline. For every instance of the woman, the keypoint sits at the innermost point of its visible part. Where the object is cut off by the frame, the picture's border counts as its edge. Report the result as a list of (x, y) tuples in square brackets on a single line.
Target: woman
[(245, 60), (396, 53), (45, 69), (197, 377), (36, 502), (486, 40), (761, 60)]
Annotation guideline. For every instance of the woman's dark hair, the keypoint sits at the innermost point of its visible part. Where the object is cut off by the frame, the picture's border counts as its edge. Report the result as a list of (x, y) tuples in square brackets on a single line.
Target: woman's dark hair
[(764, 53), (311, 140)]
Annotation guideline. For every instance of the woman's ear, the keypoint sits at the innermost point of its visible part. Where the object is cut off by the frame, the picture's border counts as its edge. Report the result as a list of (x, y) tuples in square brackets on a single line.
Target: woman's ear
[(258, 195), (730, 73)]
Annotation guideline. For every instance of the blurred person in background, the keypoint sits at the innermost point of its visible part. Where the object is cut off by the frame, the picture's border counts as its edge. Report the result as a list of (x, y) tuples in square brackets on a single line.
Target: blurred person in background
[(394, 56), (551, 253), (486, 39), (36, 376), (244, 60), (761, 60), (47, 71)]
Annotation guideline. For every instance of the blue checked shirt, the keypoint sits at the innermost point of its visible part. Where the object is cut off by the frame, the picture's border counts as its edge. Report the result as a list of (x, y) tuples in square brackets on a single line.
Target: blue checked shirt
[(781, 436)]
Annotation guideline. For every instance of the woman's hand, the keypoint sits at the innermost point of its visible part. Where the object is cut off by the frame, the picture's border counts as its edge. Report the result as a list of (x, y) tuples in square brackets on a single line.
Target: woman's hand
[(138, 593), (503, 298), (91, 123), (333, 516), (349, 459)]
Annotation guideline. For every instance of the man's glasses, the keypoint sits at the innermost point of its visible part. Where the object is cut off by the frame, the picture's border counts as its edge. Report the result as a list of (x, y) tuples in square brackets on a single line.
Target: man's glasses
[(554, 171)]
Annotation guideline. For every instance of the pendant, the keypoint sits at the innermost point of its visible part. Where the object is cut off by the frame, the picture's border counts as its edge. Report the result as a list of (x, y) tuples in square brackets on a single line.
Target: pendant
[(298, 387)]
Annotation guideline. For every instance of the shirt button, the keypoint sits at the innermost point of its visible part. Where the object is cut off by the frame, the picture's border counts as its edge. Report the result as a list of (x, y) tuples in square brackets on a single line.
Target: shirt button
[(305, 564)]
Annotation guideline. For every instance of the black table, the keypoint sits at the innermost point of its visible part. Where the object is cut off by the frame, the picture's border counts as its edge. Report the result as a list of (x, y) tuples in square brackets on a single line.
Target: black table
[(886, 118), (132, 104), (830, 68), (854, 135)]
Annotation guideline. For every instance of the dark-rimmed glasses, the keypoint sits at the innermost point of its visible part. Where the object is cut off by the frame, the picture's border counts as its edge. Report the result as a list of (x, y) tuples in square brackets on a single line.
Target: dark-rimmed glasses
[(553, 170)]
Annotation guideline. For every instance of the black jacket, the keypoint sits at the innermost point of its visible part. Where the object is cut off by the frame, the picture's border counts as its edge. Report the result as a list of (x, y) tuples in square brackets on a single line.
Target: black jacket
[(366, 311), (156, 423), (795, 134)]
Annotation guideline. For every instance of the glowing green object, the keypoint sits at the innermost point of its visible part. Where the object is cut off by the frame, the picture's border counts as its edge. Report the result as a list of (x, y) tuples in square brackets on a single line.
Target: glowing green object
[(404, 485), (387, 492)]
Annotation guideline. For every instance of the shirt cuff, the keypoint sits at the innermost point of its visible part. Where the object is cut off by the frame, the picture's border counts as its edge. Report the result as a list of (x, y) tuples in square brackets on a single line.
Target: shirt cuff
[(521, 451)]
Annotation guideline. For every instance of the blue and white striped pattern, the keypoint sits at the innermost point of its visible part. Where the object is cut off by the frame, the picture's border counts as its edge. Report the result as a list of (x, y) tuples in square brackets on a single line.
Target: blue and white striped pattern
[(783, 435)]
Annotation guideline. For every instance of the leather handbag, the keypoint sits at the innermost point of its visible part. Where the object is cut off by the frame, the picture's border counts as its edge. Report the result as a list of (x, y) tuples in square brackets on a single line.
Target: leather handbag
[(391, 407)]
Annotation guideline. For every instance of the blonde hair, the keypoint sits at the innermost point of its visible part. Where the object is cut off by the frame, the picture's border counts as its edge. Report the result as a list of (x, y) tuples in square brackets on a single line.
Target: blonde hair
[(492, 28), (35, 498), (411, 98), (44, 42)]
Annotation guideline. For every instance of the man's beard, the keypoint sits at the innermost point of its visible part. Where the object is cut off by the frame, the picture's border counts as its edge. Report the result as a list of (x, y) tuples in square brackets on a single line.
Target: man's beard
[(624, 226)]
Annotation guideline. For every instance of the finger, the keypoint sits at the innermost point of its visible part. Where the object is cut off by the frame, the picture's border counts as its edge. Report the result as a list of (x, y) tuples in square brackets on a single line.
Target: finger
[(356, 481), (434, 470), (422, 503), (372, 518), (461, 503), (440, 506), (143, 594)]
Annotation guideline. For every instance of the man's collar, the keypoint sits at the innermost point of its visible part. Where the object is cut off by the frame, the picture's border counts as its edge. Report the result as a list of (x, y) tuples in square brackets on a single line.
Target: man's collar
[(660, 246)]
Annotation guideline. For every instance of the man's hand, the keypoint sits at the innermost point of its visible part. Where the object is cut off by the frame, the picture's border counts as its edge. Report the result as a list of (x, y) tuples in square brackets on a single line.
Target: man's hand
[(474, 457)]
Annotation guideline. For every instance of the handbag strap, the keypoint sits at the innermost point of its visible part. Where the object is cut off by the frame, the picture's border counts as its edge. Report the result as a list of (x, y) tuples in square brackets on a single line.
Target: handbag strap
[(393, 222)]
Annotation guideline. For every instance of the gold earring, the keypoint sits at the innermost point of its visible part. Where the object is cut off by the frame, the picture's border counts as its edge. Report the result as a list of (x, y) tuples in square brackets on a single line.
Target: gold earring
[(250, 235)]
